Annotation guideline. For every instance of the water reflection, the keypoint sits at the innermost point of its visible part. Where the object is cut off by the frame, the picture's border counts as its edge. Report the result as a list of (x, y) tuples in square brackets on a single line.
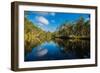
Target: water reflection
[(59, 49)]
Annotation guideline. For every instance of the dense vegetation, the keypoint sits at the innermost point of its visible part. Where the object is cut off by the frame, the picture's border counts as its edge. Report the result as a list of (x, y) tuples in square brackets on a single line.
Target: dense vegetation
[(35, 35), (78, 29)]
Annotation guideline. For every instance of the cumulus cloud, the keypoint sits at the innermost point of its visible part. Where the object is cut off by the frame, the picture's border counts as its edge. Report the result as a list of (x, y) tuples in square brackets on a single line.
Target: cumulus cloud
[(46, 13), (86, 19), (53, 14), (42, 13), (42, 20)]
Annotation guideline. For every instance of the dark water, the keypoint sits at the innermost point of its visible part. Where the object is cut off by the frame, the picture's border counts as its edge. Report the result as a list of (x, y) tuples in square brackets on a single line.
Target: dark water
[(59, 50)]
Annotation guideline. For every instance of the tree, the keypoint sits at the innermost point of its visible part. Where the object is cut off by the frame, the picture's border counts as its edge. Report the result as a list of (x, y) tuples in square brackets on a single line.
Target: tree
[(79, 26)]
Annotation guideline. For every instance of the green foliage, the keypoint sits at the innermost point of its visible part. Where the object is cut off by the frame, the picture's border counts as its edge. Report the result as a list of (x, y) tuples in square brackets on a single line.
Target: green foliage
[(34, 35), (78, 28)]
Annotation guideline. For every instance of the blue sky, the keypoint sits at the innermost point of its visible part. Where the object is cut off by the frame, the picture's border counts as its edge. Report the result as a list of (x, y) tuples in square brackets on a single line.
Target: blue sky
[(49, 21)]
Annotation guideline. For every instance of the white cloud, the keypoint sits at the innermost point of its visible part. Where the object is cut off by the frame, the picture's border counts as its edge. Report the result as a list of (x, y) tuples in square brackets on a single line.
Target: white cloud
[(86, 19), (47, 13), (42, 20), (42, 13), (53, 14)]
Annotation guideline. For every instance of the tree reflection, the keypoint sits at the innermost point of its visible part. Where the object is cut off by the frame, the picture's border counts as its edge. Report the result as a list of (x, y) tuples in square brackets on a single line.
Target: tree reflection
[(77, 48)]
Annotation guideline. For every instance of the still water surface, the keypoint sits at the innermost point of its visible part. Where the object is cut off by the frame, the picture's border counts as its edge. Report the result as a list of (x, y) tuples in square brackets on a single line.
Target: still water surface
[(60, 50)]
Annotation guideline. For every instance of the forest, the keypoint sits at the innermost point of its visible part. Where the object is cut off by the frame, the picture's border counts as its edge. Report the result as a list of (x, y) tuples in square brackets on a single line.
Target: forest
[(34, 35), (79, 29)]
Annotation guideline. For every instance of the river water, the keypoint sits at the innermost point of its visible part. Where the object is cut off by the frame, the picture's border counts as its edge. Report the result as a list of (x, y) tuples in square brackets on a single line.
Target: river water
[(59, 50)]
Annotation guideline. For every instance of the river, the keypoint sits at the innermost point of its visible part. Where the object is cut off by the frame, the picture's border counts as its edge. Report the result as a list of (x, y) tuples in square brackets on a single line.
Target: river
[(59, 50)]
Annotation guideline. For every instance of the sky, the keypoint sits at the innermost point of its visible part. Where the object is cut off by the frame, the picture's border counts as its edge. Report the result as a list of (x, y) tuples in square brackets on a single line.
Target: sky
[(50, 21)]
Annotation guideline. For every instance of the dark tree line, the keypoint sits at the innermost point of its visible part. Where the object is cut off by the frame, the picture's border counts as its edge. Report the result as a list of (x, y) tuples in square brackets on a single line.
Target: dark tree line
[(80, 27)]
